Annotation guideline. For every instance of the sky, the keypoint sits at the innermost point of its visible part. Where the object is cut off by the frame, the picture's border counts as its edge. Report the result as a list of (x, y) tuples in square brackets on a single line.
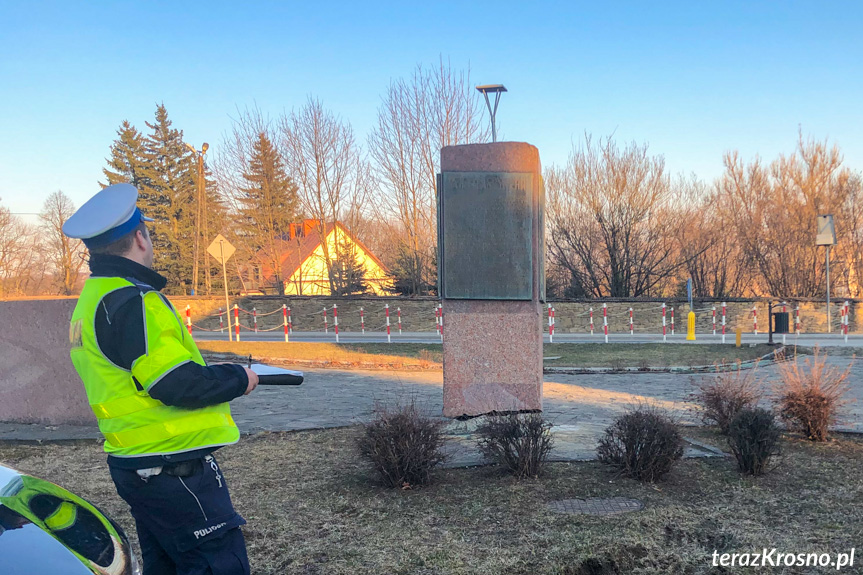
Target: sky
[(693, 80)]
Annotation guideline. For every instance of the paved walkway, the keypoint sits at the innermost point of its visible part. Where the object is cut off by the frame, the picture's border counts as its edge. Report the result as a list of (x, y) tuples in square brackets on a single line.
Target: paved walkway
[(580, 406)]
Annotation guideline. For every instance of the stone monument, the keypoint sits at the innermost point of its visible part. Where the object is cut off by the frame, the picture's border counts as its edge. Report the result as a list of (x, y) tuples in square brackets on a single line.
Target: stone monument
[(491, 277)]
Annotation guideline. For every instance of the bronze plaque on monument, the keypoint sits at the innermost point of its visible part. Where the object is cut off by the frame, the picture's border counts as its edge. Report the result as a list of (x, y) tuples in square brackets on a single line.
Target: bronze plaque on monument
[(485, 231)]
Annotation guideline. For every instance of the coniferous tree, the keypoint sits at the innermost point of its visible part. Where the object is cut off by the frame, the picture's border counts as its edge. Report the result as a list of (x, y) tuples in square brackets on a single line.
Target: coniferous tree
[(126, 164), (171, 200), (268, 205), (349, 273)]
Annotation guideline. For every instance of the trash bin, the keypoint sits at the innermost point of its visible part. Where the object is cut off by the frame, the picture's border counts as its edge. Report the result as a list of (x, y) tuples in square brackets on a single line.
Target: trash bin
[(780, 322)]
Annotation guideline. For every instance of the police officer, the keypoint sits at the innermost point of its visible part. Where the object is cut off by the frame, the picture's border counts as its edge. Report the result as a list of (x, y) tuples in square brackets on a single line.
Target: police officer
[(162, 410)]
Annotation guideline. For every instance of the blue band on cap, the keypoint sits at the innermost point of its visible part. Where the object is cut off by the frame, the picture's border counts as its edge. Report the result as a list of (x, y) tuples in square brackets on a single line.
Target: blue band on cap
[(115, 234)]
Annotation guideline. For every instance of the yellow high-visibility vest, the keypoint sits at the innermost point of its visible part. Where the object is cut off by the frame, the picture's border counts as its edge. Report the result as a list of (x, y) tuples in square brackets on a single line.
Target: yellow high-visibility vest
[(133, 423)]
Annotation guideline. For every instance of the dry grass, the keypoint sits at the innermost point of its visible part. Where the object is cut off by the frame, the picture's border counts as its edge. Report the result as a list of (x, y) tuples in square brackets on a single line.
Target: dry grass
[(644, 355), (367, 355), (430, 356), (811, 394), (312, 508)]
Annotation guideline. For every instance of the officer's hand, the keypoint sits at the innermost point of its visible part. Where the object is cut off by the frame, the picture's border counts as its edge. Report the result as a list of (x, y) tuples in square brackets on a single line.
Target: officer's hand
[(253, 380)]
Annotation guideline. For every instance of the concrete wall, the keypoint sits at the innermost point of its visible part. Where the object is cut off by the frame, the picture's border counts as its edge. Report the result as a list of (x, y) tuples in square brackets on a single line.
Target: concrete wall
[(37, 381)]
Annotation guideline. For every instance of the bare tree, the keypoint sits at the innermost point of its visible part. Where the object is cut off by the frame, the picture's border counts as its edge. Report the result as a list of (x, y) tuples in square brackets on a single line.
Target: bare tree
[(609, 213), (853, 238), (774, 212), (435, 107), (332, 175), (64, 254), (712, 256), (21, 269)]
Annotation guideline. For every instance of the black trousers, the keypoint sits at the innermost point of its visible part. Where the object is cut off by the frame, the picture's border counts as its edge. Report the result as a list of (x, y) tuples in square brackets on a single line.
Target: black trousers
[(186, 525)]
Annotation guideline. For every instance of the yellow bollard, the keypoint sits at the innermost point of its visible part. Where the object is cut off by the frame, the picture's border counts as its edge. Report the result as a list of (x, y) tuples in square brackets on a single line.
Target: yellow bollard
[(690, 326), (738, 336)]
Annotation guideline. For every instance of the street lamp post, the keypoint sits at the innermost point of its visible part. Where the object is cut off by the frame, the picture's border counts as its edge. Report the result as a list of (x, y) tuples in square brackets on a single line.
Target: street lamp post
[(497, 90), (200, 214)]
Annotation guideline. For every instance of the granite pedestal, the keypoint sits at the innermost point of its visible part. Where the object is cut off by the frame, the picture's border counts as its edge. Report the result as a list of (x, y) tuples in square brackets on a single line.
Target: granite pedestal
[(492, 345)]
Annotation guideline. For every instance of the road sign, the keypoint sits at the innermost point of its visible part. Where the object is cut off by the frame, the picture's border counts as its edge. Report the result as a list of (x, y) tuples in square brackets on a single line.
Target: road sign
[(221, 248), (826, 233)]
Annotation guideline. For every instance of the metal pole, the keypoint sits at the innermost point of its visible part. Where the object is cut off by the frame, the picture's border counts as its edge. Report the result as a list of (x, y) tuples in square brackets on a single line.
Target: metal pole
[(225, 279), (206, 224), (197, 232), (829, 327), (769, 323)]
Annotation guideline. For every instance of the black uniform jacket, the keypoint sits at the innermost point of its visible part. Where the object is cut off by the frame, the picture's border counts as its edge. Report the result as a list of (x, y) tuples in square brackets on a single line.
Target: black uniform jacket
[(120, 335)]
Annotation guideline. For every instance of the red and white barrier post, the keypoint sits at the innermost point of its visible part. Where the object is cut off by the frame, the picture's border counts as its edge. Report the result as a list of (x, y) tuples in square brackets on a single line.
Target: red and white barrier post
[(723, 321), (336, 321), (221, 321), (255, 317), (845, 319), (797, 320), (237, 321), (755, 319), (362, 320), (387, 308), (550, 332), (399, 314), (672, 320), (553, 321), (290, 322), (714, 320), (189, 319), (326, 324), (591, 321), (605, 320), (285, 320), (440, 307), (664, 334), (631, 323)]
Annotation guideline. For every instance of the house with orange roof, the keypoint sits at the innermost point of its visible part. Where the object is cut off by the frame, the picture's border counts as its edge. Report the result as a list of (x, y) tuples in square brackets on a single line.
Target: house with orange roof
[(303, 262)]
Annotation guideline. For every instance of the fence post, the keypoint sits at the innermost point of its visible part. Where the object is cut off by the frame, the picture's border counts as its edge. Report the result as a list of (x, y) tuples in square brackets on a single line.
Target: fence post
[(672, 320), (387, 308), (336, 320), (755, 319), (605, 320), (290, 322), (797, 320), (664, 334), (440, 306), (846, 318), (237, 321), (714, 320)]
